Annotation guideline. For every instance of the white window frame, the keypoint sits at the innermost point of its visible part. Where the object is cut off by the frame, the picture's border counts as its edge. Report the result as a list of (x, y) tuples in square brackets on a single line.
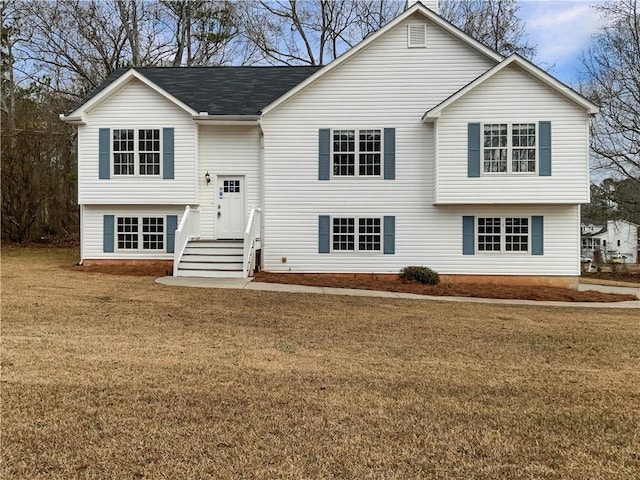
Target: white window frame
[(503, 235), (140, 233), (356, 152), (136, 153), (510, 147), (356, 234)]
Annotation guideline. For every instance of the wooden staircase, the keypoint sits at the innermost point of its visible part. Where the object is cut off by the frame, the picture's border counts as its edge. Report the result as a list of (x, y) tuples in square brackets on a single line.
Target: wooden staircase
[(212, 258)]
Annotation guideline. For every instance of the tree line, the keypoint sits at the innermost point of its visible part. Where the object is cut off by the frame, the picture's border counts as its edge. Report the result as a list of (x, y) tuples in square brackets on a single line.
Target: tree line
[(54, 53)]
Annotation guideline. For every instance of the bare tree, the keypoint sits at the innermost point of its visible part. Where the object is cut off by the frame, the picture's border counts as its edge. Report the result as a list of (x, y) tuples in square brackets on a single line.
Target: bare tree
[(495, 23), (37, 163), (612, 67), (201, 32), (75, 44), (312, 32)]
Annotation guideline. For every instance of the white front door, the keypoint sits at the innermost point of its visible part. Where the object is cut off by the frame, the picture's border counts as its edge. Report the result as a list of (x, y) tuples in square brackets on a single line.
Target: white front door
[(231, 210)]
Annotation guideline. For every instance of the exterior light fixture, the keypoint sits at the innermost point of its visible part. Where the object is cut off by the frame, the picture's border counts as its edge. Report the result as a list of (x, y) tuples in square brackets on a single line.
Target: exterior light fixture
[(207, 177)]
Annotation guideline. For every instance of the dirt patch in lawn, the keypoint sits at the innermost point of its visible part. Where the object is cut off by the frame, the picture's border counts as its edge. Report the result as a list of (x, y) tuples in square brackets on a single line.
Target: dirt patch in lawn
[(391, 284), (147, 269)]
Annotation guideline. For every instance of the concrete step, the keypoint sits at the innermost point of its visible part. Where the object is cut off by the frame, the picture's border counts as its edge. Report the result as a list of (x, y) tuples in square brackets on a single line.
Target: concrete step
[(215, 243), (191, 257), (208, 273), (220, 266), (214, 250)]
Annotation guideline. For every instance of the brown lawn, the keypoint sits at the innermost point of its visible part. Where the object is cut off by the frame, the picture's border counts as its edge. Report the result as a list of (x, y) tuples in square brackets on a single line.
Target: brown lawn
[(107, 376)]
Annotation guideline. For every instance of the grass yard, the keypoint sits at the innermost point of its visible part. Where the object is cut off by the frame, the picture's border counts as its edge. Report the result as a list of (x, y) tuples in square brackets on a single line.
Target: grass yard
[(116, 377)]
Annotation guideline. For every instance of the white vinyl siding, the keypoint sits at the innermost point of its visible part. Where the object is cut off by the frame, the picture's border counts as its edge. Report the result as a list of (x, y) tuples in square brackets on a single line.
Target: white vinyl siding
[(137, 107), (227, 150), (92, 231), (512, 97), (389, 84)]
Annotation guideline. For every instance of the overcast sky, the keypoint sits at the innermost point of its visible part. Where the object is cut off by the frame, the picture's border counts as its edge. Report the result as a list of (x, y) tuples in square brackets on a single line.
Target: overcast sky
[(562, 29)]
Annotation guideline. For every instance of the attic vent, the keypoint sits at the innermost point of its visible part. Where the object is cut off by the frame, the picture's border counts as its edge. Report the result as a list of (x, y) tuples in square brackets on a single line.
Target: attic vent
[(417, 35)]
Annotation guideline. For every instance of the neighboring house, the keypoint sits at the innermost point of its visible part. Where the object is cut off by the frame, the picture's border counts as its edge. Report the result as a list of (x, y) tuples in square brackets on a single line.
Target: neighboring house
[(419, 146), (617, 241)]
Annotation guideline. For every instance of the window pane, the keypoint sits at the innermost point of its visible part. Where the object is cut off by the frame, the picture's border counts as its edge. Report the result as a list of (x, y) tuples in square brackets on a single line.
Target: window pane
[(495, 147), (149, 151), (127, 230), (369, 234), (370, 154), (123, 152), (343, 237), (489, 234), (523, 137), (344, 147), (516, 234), (153, 233)]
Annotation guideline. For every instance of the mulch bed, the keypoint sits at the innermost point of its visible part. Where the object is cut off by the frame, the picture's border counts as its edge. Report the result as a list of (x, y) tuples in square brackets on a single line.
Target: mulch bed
[(374, 282), (384, 283)]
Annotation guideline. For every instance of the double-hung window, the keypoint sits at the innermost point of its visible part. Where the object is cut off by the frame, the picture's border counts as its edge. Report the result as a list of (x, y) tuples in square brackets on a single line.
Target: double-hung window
[(509, 148), (136, 152), (357, 153), (503, 234), (140, 233), (356, 234)]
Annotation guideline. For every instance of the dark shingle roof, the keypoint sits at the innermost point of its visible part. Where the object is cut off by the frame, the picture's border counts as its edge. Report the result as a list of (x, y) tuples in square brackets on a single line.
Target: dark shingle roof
[(220, 90)]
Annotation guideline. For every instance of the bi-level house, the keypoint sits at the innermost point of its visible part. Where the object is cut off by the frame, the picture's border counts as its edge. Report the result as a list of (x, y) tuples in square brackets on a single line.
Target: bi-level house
[(419, 146)]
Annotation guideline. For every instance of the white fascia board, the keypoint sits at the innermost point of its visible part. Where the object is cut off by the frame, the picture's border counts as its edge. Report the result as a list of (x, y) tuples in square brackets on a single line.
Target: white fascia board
[(122, 82), (248, 120), (529, 68), (416, 8), (78, 120)]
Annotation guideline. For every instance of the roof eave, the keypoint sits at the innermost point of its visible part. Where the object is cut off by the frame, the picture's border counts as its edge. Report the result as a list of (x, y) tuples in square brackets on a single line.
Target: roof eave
[(71, 120), (119, 83), (590, 107)]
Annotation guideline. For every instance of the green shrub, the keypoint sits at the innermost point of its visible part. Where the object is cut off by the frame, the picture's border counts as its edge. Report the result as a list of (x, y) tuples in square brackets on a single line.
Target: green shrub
[(423, 275)]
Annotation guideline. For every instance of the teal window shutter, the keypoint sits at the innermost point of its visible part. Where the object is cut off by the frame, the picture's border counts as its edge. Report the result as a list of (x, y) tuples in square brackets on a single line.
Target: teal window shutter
[(324, 236), (389, 235), (468, 235), (473, 150), (389, 153), (104, 153), (108, 233), (324, 154), (537, 235), (172, 226), (544, 132), (168, 159)]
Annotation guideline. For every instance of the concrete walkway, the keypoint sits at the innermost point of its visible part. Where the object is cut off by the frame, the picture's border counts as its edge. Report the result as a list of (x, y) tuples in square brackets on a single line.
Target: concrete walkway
[(247, 284), (583, 287)]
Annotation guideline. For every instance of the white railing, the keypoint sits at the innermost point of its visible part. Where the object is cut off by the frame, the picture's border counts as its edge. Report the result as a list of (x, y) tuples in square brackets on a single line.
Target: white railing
[(188, 229), (250, 240)]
